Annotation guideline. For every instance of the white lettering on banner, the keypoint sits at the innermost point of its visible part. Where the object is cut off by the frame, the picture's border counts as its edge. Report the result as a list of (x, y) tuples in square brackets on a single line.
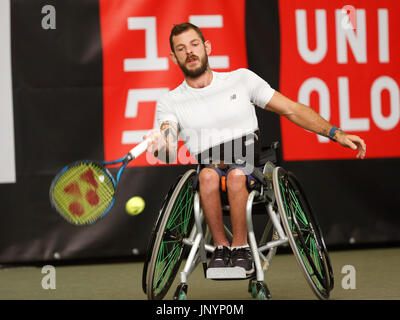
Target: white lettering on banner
[(391, 121), (7, 157), (350, 28), (207, 21), (211, 21), (152, 62), (346, 123), (356, 38), (383, 35), (318, 54), (315, 84), (341, 60), (134, 97)]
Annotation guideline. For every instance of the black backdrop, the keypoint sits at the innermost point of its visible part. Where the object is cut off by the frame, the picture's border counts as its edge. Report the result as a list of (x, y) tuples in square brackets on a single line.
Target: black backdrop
[(57, 101)]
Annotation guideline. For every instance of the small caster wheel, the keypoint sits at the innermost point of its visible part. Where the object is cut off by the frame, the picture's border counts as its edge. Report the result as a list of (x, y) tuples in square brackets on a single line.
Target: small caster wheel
[(253, 288), (261, 291), (181, 292)]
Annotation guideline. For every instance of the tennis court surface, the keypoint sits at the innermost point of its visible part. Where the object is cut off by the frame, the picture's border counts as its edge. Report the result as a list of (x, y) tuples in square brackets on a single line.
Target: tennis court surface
[(376, 277)]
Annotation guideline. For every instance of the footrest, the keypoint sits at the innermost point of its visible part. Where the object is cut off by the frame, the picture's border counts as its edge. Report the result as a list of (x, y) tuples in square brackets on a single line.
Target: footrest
[(226, 273)]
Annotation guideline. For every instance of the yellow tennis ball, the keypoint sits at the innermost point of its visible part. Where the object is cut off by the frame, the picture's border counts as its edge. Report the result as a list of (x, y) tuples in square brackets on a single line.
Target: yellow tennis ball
[(135, 205)]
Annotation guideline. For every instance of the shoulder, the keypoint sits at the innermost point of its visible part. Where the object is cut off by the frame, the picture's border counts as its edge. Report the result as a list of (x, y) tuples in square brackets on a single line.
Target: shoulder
[(250, 78), (231, 74), (242, 74), (235, 76), (171, 96), (245, 73)]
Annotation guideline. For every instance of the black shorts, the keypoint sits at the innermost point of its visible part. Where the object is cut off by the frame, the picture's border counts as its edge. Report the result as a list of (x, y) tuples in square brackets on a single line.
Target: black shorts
[(251, 180), (239, 151)]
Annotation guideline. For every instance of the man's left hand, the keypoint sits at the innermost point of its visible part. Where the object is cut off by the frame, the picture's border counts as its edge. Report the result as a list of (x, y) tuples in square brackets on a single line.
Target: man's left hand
[(351, 141)]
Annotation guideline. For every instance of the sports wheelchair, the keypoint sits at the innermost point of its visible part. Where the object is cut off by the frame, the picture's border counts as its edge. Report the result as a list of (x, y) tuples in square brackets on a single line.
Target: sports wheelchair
[(178, 235)]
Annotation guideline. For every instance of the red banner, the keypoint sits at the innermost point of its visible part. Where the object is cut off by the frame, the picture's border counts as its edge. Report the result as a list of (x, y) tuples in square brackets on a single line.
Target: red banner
[(136, 64), (343, 61)]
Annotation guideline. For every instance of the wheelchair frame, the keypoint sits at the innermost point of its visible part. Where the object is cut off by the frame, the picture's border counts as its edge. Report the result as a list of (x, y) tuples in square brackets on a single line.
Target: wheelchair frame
[(283, 227)]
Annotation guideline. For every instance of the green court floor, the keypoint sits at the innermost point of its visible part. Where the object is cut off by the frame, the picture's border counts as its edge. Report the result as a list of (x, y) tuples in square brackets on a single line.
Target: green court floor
[(377, 277)]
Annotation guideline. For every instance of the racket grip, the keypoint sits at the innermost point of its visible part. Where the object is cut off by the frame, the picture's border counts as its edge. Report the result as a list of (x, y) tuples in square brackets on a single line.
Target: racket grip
[(139, 149)]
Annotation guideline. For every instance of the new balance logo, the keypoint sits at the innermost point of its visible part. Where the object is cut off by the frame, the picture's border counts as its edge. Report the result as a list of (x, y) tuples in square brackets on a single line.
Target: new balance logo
[(233, 97)]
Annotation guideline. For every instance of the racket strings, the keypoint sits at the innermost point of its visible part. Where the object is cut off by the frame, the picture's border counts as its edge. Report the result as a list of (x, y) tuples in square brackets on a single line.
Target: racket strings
[(83, 193)]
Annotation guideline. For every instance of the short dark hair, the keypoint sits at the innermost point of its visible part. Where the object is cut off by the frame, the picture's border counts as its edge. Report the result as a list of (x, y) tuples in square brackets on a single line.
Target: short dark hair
[(182, 27)]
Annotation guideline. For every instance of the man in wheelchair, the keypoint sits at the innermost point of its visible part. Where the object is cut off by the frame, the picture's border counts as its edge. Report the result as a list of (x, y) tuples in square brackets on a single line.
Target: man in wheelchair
[(213, 111), (228, 172)]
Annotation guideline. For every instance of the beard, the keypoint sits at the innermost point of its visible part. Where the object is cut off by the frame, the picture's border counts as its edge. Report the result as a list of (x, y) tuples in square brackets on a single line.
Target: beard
[(194, 73)]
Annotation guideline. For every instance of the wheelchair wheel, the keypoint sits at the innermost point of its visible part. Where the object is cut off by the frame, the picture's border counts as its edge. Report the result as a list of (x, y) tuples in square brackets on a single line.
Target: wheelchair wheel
[(304, 233), (166, 248)]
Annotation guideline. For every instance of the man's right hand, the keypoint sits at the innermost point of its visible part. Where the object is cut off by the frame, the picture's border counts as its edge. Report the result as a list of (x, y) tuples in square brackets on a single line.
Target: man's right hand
[(156, 142), (164, 142)]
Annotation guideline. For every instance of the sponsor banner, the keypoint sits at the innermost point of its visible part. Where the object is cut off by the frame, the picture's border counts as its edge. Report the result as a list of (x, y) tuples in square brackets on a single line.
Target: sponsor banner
[(137, 69), (342, 61)]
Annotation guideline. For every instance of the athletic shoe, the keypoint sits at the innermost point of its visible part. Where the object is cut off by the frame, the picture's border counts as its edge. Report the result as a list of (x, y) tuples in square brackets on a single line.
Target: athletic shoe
[(220, 257), (241, 257)]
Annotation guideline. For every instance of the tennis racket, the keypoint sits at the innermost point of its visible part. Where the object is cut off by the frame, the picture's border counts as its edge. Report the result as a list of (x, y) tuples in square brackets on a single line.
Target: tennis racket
[(84, 191)]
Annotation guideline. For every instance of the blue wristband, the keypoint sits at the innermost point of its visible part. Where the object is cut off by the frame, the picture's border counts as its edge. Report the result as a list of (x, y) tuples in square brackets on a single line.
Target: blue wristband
[(332, 132)]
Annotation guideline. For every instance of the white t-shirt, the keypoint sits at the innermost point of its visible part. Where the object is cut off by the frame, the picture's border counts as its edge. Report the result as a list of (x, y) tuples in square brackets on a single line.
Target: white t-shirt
[(222, 111)]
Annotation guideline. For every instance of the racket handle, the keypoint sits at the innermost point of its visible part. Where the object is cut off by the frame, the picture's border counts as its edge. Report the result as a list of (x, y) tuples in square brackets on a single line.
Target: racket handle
[(139, 149)]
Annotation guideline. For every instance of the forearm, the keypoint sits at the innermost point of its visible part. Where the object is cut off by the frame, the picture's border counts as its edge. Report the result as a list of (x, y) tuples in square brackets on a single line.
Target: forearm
[(299, 114), (308, 119), (169, 132)]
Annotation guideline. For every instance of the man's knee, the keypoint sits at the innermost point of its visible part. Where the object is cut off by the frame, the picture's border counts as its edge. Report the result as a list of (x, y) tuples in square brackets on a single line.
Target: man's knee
[(209, 180), (236, 180)]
